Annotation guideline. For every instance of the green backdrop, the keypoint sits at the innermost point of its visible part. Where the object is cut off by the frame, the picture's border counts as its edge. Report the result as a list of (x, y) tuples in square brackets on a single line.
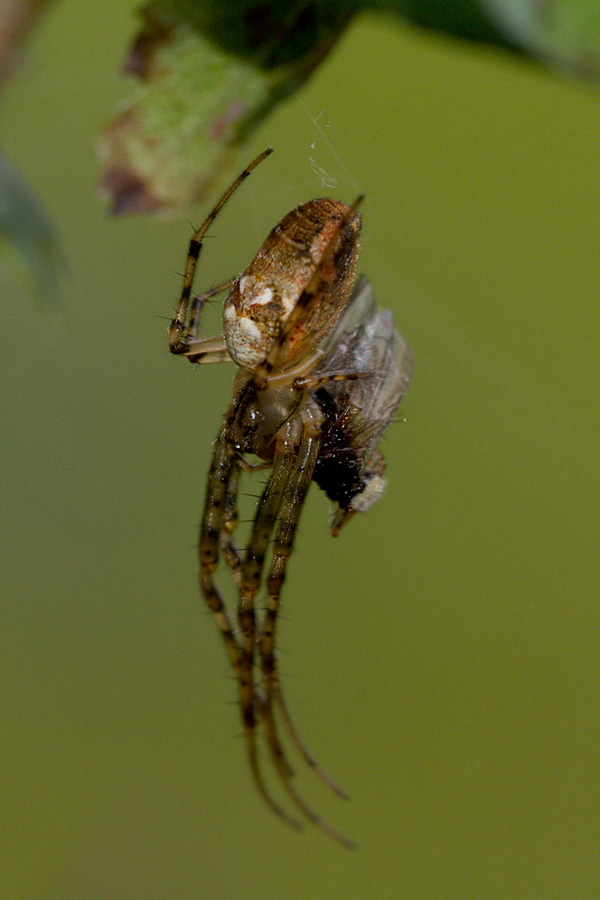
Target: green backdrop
[(441, 657)]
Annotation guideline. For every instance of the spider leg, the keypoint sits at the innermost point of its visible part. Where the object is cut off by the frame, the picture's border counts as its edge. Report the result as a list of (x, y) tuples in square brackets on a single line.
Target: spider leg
[(208, 356), (281, 553), (314, 380), (197, 304), (231, 552), (207, 350), (177, 327), (220, 473), (229, 522), (298, 373), (234, 558), (299, 744), (222, 470), (295, 491), (249, 584)]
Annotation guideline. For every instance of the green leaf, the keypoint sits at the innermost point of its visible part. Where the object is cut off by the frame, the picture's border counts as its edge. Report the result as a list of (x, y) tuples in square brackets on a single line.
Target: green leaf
[(30, 258), (209, 71), (199, 96), (565, 33)]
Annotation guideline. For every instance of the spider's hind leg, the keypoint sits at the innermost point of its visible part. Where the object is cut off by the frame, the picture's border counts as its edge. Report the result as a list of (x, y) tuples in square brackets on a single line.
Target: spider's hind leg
[(299, 744)]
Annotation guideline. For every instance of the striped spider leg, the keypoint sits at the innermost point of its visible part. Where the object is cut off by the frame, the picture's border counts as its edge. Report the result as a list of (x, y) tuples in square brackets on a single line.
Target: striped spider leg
[(183, 329), (298, 406), (234, 559), (294, 455)]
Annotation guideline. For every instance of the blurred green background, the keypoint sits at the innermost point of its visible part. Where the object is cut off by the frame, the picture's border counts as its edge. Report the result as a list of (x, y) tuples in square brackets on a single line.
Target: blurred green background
[(441, 657)]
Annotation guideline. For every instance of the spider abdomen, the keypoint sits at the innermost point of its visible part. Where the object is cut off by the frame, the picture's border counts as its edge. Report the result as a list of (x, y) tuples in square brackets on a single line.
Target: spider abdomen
[(263, 296)]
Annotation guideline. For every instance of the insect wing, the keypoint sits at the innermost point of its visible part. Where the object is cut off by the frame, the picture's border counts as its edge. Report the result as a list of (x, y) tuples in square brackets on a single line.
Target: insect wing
[(340, 347), (365, 342)]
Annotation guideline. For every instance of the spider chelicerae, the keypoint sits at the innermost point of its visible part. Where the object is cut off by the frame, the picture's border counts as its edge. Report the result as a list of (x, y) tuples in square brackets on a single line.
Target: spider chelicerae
[(320, 374)]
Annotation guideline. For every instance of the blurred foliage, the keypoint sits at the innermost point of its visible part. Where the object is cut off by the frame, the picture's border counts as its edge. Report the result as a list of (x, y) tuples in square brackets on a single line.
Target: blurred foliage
[(208, 75), (17, 18), (30, 258), (564, 33), (209, 72), (31, 261)]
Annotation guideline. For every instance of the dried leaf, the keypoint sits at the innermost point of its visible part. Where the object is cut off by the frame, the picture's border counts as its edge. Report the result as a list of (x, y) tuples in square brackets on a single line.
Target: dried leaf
[(197, 100)]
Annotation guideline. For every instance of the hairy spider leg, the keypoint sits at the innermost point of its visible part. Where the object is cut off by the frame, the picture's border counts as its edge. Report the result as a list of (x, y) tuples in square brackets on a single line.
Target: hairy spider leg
[(250, 580), (286, 487), (229, 523), (177, 328), (296, 491), (314, 380), (231, 552), (209, 349), (220, 473), (223, 468), (196, 307), (294, 495), (310, 295), (234, 559), (298, 742)]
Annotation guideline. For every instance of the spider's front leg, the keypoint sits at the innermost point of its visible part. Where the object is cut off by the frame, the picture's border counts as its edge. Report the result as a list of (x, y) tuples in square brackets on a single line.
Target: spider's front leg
[(184, 340), (293, 502), (229, 523), (301, 469), (249, 584), (222, 479), (222, 472), (180, 330), (201, 350)]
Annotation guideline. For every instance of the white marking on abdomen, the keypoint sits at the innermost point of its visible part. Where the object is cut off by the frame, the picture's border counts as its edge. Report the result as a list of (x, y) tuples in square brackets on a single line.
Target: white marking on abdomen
[(260, 296)]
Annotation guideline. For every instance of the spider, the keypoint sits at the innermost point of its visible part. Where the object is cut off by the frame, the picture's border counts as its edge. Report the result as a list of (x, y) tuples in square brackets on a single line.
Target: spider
[(320, 374)]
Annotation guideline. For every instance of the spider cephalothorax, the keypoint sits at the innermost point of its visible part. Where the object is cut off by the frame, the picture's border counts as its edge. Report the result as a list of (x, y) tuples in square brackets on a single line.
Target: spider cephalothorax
[(320, 374)]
